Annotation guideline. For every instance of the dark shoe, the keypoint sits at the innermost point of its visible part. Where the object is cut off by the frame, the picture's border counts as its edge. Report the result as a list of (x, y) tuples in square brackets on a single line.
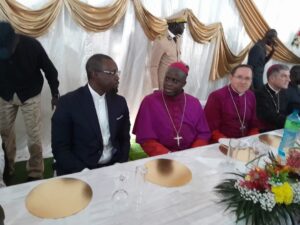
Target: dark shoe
[(33, 179)]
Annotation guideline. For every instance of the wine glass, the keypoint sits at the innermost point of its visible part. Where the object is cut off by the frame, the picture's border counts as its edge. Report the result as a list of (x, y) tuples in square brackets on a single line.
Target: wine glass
[(260, 149), (120, 198), (140, 183)]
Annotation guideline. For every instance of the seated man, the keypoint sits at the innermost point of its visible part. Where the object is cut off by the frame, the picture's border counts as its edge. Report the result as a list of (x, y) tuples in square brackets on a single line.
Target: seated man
[(90, 127), (171, 120), (230, 111), (272, 99)]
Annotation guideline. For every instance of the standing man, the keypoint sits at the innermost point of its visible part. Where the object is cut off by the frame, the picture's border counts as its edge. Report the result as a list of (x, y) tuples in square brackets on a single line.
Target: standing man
[(272, 101), (231, 110), (90, 127), (167, 49), (258, 57), (21, 60), (171, 120)]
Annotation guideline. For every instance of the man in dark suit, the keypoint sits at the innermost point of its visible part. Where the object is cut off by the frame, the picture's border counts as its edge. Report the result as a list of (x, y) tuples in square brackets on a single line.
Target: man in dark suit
[(271, 99), (90, 127)]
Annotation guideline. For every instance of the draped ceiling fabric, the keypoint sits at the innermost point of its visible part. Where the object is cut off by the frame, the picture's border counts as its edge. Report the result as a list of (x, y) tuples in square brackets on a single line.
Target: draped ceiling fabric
[(34, 23), (152, 25), (215, 40), (97, 19)]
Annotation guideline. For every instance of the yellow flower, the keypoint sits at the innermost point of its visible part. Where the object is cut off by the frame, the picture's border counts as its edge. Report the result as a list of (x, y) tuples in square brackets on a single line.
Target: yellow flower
[(283, 193), (247, 178)]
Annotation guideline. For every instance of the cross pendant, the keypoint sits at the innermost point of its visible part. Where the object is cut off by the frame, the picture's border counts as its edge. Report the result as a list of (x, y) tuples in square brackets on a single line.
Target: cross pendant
[(177, 138)]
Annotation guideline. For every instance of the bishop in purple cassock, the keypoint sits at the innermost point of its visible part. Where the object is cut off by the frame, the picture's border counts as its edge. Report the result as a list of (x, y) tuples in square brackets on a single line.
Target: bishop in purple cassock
[(171, 120), (231, 110)]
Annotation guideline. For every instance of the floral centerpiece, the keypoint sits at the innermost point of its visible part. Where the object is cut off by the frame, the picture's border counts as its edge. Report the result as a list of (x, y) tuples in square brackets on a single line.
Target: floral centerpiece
[(265, 195)]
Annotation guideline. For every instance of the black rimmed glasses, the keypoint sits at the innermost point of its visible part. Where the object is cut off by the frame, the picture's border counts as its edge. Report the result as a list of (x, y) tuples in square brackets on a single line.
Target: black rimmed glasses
[(109, 73)]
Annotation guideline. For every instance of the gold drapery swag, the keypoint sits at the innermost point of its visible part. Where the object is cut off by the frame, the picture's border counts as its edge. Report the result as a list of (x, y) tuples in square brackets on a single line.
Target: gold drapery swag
[(96, 19), (34, 23)]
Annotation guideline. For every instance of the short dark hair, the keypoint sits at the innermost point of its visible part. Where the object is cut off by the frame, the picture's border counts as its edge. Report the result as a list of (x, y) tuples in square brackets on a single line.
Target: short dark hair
[(274, 69), (241, 66), (295, 75), (95, 63), (271, 33)]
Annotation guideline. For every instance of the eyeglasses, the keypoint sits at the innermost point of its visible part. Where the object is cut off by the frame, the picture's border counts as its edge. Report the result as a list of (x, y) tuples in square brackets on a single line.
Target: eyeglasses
[(109, 73)]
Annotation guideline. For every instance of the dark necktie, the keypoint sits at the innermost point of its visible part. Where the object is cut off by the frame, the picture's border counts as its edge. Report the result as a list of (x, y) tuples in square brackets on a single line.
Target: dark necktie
[(175, 39)]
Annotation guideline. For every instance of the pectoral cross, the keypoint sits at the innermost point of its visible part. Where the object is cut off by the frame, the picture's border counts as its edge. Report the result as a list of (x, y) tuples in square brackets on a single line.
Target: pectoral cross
[(177, 138), (243, 129)]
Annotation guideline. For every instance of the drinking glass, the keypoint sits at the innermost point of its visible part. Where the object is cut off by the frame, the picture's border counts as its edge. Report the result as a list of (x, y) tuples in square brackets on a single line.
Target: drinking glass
[(233, 147), (120, 198), (260, 149)]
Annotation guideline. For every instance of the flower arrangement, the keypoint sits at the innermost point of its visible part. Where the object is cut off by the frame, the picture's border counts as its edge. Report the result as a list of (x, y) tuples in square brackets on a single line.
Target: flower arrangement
[(296, 40), (265, 195)]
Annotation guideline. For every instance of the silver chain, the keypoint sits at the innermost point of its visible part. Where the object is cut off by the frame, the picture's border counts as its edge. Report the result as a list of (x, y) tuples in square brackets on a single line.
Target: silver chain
[(177, 131), (237, 111), (273, 100)]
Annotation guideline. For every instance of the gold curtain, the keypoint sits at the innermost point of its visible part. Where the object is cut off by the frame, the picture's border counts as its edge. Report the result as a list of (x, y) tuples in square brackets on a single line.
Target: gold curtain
[(256, 27), (223, 59), (151, 25), (96, 18), (30, 22)]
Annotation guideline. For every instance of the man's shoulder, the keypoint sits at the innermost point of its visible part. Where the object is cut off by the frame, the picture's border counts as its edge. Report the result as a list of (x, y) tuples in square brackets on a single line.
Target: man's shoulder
[(27, 40), (191, 98), (72, 94), (221, 92), (162, 38)]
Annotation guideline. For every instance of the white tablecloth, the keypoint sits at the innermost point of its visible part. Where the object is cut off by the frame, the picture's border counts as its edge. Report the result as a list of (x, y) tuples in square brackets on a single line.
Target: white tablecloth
[(194, 203)]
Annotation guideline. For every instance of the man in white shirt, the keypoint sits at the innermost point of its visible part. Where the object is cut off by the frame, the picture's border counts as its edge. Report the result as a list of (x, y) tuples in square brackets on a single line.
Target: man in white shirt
[(90, 127)]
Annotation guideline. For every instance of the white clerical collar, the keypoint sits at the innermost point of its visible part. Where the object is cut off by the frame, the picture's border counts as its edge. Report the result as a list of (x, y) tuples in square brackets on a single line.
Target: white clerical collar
[(95, 95), (240, 94), (270, 86)]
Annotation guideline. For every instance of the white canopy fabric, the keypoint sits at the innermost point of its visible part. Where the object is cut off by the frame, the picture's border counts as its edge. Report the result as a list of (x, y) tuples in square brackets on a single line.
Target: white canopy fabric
[(69, 46)]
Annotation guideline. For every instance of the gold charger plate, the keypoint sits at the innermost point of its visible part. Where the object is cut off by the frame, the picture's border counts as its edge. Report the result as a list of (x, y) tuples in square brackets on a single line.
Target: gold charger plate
[(167, 173), (58, 198), (270, 139), (244, 155)]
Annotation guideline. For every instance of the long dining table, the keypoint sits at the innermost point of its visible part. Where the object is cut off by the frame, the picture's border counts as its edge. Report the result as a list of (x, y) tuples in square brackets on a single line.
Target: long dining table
[(194, 203)]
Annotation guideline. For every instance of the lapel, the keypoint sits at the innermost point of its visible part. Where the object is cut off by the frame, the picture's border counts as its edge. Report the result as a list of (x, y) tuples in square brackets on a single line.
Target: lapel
[(110, 112), (88, 107)]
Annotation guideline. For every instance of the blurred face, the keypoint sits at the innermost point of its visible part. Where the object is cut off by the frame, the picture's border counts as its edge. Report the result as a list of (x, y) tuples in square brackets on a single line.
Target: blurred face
[(270, 38), (241, 80), (106, 79), (174, 82), (177, 28), (180, 28), (280, 80)]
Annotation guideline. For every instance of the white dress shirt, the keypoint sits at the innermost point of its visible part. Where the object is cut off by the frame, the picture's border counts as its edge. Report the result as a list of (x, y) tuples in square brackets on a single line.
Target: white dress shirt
[(102, 114)]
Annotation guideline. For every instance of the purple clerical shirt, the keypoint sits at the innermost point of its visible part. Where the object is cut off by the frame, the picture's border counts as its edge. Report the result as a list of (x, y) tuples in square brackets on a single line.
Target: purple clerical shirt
[(154, 123), (221, 114)]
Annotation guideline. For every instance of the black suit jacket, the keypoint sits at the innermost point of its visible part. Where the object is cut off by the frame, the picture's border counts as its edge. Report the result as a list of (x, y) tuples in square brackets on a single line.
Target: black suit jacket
[(266, 111), (76, 135)]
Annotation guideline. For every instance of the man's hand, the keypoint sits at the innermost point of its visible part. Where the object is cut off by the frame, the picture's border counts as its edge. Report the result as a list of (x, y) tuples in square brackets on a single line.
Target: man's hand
[(54, 101)]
